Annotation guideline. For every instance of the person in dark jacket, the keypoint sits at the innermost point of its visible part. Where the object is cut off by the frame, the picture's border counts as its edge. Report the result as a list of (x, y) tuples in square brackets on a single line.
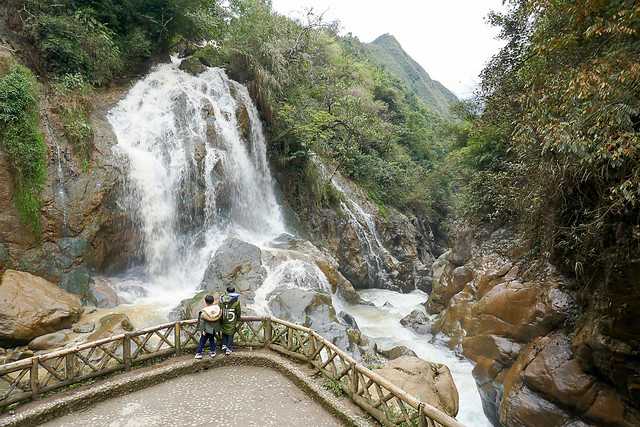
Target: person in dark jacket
[(209, 323), (231, 313)]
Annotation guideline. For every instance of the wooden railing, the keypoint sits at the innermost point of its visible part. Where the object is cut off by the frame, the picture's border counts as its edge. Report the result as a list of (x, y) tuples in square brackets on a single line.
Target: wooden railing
[(29, 378)]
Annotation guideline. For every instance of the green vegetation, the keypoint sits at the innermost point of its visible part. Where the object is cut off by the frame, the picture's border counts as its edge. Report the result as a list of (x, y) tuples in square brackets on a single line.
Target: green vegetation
[(21, 139), (72, 103), (102, 39), (334, 386), (322, 94), (556, 146)]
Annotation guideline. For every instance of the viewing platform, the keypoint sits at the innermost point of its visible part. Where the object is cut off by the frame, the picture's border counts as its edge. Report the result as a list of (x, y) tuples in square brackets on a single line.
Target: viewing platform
[(277, 359)]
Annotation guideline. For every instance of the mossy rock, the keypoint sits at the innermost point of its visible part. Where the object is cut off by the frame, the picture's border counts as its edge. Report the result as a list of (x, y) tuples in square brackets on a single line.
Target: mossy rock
[(192, 65), (79, 282), (209, 56)]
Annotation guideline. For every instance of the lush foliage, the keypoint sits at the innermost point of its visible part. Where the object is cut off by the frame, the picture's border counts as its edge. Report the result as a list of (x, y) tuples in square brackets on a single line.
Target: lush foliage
[(101, 39), (561, 127), (321, 94), (22, 141)]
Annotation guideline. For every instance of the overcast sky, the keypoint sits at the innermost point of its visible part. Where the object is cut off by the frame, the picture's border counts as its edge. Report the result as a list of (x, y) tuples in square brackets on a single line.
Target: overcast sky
[(449, 38)]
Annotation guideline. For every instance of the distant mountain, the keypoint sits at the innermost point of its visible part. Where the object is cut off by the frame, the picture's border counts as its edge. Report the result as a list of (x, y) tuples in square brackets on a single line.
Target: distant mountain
[(387, 52)]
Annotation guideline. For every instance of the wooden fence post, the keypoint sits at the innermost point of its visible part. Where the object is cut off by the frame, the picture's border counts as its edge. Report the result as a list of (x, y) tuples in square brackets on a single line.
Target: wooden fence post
[(354, 379), (421, 417), (69, 366), (177, 338), (33, 377), (126, 351), (268, 331)]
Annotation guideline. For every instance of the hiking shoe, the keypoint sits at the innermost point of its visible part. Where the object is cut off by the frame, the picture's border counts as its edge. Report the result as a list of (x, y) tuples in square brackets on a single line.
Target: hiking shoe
[(212, 355), (198, 356), (224, 348), (227, 351)]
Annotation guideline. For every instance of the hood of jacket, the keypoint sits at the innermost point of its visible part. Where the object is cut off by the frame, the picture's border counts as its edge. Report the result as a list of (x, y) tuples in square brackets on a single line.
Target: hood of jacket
[(230, 298), (211, 313)]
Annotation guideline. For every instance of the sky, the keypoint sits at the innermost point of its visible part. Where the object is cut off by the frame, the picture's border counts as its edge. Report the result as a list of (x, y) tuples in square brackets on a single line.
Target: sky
[(449, 38)]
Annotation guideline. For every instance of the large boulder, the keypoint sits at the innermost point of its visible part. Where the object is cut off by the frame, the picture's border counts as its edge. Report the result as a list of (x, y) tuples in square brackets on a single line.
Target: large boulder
[(51, 341), (31, 306), (546, 377), (428, 382), (418, 321), (236, 263)]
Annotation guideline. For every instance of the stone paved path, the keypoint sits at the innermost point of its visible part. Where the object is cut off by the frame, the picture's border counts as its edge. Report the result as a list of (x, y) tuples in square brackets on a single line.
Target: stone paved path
[(228, 396)]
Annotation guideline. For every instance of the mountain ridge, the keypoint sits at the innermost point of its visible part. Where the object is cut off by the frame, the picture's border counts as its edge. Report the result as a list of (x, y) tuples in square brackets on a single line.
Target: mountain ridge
[(387, 52)]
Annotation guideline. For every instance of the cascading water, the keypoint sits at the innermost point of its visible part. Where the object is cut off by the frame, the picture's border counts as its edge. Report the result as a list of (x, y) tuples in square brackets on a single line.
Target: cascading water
[(381, 322), (373, 251), (194, 175)]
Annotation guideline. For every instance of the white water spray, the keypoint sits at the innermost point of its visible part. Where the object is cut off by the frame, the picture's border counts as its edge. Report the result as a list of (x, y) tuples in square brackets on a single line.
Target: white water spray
[(194, 175)]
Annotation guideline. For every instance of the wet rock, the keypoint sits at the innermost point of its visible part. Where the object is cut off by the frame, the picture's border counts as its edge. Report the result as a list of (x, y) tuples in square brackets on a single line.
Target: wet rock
[(104, 294), (74, 247), (111, 324), (493, 347), (428, 382), (349, 320), (189, 308), (50, 341), (299, 305), (30, 307), (418, 321), (236, 263), (192, 65), (20, 353), (79, 282), (84, 328), (396, 352), (461, 245)]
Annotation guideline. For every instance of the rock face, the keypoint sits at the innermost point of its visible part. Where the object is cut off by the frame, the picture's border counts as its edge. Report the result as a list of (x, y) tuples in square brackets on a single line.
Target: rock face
[(428, 382), (236, 263), (390, 250), (513, 323), (31, 307), (83, 227)]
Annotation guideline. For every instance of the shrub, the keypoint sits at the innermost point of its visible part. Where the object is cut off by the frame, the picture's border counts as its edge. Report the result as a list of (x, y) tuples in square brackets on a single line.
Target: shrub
[(22, 140), (77, 44)]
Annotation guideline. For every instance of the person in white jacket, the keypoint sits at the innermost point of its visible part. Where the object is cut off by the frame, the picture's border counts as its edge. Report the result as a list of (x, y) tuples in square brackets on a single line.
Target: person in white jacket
[(209, 323)]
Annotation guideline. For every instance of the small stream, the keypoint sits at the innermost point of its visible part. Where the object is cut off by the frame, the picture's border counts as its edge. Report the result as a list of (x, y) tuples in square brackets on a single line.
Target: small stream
[(381, 323)]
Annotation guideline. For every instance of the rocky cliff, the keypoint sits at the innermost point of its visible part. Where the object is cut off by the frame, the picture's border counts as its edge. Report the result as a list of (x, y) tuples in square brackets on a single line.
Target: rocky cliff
[(543, 350)]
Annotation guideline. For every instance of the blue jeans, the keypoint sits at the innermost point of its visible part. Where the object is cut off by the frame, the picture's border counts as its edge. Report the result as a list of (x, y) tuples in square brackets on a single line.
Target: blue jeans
[(203, 340), (227, 341)]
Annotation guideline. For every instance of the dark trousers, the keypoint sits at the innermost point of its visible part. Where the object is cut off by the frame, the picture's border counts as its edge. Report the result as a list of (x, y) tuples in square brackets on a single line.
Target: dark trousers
[(227, 341), (203, 341)]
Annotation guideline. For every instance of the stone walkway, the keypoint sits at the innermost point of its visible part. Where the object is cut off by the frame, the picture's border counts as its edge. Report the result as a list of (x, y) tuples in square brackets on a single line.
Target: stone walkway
[(229, 395)]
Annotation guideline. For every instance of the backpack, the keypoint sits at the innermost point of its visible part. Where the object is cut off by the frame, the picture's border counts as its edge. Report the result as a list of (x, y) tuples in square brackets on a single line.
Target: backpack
[(211, 313)]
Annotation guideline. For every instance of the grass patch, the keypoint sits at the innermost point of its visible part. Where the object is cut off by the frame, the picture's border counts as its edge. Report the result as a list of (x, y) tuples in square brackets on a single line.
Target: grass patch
[(333, 386), (21, 139), (72, 96)]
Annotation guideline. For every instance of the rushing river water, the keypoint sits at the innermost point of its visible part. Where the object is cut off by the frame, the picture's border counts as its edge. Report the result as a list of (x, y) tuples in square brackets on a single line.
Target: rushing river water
[(381, 322), (198, 175)]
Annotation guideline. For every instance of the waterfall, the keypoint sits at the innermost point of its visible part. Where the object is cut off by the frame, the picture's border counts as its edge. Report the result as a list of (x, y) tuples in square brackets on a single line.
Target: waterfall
[(373, 251), (198, 171)]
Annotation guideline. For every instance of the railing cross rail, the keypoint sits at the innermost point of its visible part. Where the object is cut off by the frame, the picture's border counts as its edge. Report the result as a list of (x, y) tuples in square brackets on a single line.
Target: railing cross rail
[(28, 379)]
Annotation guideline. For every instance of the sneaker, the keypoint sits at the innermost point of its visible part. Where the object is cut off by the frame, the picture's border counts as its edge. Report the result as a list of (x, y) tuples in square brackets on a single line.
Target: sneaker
[(227, 351), (224, 348), (212, 355), (198, 356)]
